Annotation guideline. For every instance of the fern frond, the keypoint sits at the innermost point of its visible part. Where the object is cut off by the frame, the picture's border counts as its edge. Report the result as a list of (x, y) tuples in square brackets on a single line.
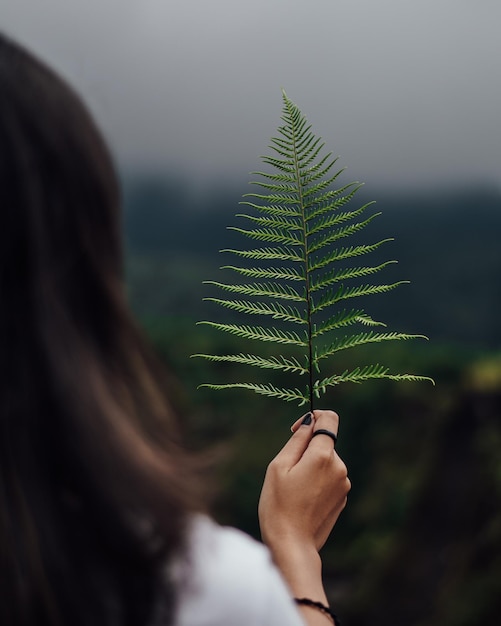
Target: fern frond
[(272, 290), (336, 276), (332, 220), (281, 363), (365, 320), (296, 209), (289, 395), (342, 319), (361, 374), (260, 333), (272, 209), (269, 254), (274, 222), (342, 254), (281, 148), (273, 273), (313, 191), (319, 170), (283, 189), (270, 234), (344, 293), (275, 310), (277, 198), (331, 200), (286, 177), (351, 341), (340, 233)]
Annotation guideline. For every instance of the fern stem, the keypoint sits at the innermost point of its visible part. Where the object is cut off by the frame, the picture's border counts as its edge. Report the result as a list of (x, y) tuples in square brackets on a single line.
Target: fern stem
[(310, 346), (309, 331)]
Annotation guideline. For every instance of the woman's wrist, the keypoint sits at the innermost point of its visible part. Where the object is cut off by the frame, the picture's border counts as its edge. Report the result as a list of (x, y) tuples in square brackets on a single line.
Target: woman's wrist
[(324, 609), (301, 567)]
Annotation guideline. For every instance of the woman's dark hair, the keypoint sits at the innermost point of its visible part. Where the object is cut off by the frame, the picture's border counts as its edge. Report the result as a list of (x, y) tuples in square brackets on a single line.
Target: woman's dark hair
[(94, 486)]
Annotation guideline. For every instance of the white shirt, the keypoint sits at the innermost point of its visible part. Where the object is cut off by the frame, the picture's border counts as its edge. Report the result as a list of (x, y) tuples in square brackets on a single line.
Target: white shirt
[(230, 580)]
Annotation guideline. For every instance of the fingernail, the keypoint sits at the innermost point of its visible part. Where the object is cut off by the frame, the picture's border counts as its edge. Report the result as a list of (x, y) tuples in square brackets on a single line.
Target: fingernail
[(307, 419)]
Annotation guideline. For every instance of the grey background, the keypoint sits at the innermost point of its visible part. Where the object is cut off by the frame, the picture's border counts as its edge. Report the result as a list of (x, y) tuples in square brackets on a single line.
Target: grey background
[(408, 93)]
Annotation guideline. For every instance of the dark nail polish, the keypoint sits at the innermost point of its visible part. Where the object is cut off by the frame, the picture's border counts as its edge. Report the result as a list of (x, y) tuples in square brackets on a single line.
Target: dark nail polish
[(307, 419)]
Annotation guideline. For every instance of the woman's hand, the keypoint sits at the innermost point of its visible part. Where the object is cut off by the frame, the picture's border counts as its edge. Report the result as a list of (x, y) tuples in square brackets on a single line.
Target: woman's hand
[(305, 487), (304, 492)]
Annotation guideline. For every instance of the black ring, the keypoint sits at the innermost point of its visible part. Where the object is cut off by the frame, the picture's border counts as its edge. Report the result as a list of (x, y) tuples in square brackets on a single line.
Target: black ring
[(329, 433)]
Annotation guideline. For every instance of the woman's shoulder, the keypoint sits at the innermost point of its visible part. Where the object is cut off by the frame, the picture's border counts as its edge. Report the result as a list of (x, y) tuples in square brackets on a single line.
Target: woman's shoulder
[(228, 578)]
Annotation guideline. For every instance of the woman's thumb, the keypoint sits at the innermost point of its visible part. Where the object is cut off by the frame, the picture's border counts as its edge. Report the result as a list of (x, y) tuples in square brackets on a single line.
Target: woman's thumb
[(294, 449)]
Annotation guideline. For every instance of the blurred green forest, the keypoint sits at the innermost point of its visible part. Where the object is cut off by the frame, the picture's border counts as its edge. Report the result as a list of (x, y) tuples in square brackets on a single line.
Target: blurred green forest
[(418, 543)]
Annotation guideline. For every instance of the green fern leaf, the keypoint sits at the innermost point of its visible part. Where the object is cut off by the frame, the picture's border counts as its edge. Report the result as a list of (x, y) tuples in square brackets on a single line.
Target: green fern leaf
[(290, 395), (276, 310), (271, 234), (337, 276), (361, 339), (361, 374), (340, 233), (260, 333), (286, 224), (344, 293), (273, 273), (342, 319), (275, 363), (271, 209), (272, 290), (298, 210), (331, 200), (269, 254), (333, 220)]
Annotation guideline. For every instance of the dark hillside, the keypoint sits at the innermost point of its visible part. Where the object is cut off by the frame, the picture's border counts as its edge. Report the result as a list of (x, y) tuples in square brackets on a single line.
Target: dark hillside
[(447, 245)]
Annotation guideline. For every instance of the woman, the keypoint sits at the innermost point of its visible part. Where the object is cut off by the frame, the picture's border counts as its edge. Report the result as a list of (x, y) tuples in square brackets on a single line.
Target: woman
[(100, 506)]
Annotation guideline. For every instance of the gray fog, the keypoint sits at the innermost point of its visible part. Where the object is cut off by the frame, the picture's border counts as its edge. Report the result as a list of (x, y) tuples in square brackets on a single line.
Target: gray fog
[(406, 92)]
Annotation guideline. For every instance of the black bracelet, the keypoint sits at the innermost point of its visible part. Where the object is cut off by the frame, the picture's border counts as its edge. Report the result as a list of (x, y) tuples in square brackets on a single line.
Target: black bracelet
[(321, 607)]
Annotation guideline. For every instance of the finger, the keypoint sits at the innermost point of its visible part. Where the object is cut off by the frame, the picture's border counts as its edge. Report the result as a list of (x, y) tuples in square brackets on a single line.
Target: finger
[(294, 449), (299, 421), (328, 421)]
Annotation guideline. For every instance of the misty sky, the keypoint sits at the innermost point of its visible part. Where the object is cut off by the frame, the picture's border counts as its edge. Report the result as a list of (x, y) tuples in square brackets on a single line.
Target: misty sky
[(407, 92)]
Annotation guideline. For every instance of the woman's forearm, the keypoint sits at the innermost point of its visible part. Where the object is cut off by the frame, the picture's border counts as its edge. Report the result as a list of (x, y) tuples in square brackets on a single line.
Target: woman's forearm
[(304, 491), (302, 571)]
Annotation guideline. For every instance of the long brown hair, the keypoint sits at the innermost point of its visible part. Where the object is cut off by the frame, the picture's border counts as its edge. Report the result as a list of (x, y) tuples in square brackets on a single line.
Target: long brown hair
[(94, 485)]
